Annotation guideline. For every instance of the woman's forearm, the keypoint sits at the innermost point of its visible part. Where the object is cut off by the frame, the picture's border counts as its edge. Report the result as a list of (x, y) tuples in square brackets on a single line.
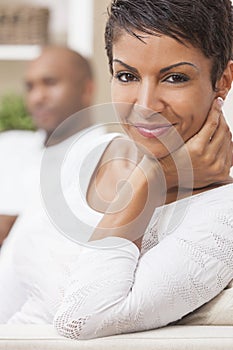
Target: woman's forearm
[(130, 212)]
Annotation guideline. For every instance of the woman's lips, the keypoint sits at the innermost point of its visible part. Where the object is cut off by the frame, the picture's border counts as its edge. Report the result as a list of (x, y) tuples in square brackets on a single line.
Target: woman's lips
[(153, 131)]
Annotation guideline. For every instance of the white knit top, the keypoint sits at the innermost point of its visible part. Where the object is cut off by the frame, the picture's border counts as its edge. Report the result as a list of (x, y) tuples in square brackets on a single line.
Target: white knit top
[(185, 261)]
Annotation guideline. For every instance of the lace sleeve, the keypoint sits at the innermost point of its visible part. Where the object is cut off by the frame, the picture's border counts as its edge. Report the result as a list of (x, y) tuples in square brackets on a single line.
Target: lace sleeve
[(116, 291)]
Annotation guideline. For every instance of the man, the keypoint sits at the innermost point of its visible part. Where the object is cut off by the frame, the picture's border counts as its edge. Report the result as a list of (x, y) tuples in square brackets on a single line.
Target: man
[(58, 84)]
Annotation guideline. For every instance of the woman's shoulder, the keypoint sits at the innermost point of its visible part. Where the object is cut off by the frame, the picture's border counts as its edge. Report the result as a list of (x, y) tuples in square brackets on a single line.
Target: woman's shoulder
[(218, 195), (210, 203), (200, 212), (212, 207)]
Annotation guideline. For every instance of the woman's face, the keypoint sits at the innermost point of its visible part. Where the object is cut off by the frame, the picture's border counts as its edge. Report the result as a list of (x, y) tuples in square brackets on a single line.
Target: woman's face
[(163, 87)]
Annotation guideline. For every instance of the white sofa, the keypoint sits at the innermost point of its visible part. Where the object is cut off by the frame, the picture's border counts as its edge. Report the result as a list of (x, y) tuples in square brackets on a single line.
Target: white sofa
[(44, 337)]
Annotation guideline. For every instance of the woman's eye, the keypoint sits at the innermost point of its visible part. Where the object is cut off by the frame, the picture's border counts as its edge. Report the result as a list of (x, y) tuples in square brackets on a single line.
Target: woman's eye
[(125, 77), (177, 78)]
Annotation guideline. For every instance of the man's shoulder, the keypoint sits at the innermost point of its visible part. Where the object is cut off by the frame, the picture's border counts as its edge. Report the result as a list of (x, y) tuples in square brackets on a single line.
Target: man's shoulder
[(20, 138), (16, 135)]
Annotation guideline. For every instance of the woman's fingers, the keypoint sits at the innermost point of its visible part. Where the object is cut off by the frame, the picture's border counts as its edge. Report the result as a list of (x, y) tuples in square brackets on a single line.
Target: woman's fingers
[(212, 122), (219, 151), (221, 138), (222, 159)]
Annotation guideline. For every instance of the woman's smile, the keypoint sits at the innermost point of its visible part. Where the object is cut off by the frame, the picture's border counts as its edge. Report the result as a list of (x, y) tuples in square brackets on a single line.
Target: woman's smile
[(152, 131)]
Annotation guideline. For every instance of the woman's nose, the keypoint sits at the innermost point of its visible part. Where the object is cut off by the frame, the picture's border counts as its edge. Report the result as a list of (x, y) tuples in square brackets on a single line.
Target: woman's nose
[(149, 100)]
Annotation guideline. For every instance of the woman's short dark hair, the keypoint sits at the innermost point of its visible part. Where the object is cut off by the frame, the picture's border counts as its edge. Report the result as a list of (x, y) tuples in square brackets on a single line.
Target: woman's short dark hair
[(205, 24)]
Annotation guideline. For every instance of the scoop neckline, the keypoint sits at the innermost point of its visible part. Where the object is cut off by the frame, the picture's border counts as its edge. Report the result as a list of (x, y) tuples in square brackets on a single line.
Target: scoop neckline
[(195, 196)]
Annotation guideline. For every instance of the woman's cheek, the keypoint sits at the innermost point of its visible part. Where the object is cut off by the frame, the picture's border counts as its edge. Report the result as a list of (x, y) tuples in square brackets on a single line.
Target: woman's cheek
[(116, 92), (123, 93)]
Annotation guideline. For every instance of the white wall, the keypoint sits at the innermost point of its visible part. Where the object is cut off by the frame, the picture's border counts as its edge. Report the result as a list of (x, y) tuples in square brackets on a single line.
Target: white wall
[(228, 109), (100, 61)]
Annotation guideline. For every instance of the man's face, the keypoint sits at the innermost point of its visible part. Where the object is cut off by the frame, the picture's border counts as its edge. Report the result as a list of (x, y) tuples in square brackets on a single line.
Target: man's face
[(54, 90)]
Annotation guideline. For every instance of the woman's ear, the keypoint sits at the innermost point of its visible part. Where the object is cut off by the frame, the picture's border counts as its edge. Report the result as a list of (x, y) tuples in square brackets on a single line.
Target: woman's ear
[(223, 85)]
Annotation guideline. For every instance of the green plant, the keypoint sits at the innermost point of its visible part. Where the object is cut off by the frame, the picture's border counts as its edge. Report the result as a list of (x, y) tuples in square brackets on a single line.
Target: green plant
[(13, 114)]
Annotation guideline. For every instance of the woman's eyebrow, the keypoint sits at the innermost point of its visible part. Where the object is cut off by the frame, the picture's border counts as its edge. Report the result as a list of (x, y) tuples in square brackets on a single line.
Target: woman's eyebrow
[(164, 70), (132, 69)]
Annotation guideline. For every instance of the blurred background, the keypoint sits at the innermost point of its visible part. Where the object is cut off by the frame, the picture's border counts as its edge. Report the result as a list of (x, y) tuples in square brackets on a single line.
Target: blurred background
[(79, 24)]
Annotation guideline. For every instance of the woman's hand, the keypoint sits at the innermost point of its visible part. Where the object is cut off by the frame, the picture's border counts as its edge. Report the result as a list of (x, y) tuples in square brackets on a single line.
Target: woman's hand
[(210, 152)]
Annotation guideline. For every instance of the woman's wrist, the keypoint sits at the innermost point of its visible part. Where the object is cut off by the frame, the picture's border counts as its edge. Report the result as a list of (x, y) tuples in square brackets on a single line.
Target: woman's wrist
[(163, 172)]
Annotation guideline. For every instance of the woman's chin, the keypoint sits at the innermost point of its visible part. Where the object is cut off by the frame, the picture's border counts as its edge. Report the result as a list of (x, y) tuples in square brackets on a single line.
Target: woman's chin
[(158, 151)]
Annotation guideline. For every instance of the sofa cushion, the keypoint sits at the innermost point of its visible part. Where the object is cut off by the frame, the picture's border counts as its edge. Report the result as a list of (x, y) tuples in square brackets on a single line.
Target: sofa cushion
[(44, 337), (218, 311)]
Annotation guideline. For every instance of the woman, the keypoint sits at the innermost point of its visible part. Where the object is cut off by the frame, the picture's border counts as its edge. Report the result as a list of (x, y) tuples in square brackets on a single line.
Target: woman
[(171, 67)]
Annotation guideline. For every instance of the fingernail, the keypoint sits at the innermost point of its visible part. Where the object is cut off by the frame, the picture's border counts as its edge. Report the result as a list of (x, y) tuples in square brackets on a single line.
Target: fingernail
[(220, 102)]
